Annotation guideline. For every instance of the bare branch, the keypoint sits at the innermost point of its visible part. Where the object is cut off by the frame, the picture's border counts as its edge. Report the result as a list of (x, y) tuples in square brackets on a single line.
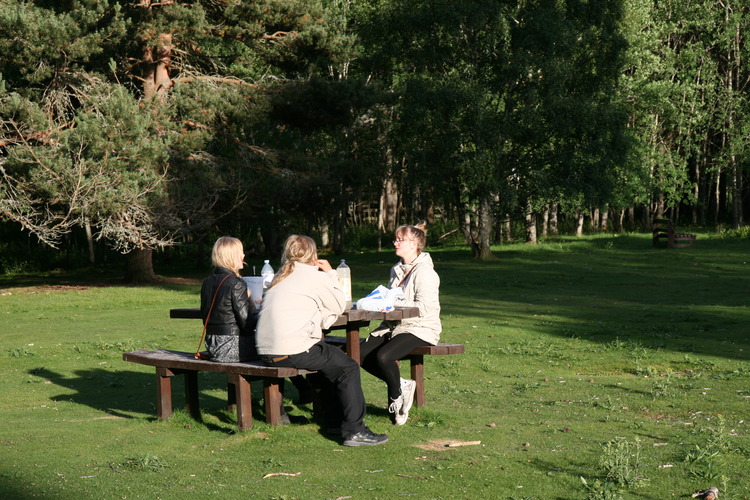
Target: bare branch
[(233, 81), (254, 149), (42, 137), (279, 35)]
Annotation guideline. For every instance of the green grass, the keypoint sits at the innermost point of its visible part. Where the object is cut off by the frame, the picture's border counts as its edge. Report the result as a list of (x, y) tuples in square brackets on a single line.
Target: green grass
[(594, 368)]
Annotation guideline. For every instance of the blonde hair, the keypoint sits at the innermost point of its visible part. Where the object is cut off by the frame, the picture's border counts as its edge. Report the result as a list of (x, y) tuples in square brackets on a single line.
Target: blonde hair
[(297, 248), (228, 253), (417, 232)]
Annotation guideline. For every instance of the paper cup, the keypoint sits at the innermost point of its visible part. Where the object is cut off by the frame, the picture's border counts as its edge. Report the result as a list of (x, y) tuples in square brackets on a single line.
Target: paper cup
[(255, 285)]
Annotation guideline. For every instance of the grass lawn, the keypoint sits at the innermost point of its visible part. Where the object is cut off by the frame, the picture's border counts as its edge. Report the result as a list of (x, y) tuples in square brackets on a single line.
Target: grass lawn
[(597, 368)]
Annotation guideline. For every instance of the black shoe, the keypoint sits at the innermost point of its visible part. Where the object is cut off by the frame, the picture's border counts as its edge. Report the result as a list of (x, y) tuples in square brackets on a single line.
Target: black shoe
[(365, 438)]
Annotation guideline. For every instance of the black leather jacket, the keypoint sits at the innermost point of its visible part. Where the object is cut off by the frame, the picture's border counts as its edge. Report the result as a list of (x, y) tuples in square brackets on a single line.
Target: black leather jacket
[(232, 312)]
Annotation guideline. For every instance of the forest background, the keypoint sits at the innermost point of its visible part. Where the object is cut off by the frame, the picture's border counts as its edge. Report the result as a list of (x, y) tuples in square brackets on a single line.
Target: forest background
[(140, 126)]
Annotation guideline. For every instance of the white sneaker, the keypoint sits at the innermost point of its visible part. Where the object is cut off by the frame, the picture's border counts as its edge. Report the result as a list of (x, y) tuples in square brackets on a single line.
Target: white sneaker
[(394, 408), (408, 388)]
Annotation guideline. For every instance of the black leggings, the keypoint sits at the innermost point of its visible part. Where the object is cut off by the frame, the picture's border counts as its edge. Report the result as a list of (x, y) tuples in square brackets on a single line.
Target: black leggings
[(379, 356)]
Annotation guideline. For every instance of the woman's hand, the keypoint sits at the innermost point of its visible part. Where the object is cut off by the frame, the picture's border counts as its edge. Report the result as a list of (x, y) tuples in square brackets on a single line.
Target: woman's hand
[(324, 265)]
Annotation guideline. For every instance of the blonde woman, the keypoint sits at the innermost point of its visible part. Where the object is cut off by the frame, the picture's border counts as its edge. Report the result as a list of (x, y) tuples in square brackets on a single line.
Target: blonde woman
[(230, 332), (391, 341), (303, 299)]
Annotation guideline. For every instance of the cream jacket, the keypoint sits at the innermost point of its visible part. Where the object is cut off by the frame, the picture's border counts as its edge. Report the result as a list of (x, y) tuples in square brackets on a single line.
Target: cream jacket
[(295, 312), (421, 289)]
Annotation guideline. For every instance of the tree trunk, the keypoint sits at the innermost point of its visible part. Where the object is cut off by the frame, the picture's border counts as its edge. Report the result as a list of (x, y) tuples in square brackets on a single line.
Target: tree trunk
[(717, 195), (530, 225), (90, 242), (605, 218), (389, 205), (156, 82), (140, 267), (595, 219), (545, 221), (507, 225), (485, 229), (579, 223), (553, 229), (339, 231), (696, 190), (621, 221), (325, 239)]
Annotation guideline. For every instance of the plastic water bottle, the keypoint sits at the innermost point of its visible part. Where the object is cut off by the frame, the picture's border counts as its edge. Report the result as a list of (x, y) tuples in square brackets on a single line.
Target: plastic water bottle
[(266, 273), (345, 279)]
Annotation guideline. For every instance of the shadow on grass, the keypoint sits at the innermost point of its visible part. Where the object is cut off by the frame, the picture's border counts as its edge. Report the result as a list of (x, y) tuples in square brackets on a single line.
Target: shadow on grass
[(11, 489), (125, 393), (690, 300)]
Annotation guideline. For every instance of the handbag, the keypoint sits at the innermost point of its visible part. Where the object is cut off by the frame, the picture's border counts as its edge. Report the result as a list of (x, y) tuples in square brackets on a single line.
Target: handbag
[(198, 354)]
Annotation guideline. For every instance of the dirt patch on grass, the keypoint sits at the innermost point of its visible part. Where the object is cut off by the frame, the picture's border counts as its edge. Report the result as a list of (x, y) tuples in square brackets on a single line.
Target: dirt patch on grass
[(28, 290), (445, 444), (72, 287)]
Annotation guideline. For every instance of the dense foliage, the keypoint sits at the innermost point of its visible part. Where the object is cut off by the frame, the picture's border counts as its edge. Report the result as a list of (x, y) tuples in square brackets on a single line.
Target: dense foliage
[(144, 125)]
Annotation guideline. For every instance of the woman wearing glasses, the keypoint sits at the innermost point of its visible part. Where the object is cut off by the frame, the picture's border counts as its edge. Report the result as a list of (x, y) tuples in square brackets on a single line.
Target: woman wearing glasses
[(391, 341)]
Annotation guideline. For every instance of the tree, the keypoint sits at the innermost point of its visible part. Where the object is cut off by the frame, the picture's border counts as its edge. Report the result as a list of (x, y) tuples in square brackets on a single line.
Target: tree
[(685, 90), (189, 81)]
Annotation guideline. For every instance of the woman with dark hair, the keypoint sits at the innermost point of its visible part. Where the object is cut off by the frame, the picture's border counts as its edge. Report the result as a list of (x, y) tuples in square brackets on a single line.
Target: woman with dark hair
[(303, 299), (391, 341)]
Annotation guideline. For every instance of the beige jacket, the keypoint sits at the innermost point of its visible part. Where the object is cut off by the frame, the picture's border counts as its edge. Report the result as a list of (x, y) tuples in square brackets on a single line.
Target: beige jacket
[(421, 289), (296, 311)]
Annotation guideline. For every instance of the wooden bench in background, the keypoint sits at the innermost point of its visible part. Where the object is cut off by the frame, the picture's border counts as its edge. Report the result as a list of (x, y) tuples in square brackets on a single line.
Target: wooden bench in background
[(416, 360), (239, 375), (664, 235)]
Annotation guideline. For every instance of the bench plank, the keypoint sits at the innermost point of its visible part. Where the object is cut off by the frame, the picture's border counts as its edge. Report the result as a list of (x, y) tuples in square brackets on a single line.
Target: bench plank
[(186, 361), (170, 363)]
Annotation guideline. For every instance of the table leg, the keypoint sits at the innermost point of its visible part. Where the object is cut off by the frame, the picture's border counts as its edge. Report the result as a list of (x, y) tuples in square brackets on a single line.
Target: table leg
[(272, 396), (352, 342), (163, 392)]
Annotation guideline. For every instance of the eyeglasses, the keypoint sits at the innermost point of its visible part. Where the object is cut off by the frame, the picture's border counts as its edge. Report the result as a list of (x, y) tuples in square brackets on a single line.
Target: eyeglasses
[(401, 240)]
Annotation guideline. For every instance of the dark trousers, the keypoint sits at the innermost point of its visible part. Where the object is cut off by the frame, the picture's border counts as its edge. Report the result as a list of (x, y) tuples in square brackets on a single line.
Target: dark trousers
[(379, 356), (343, 400)]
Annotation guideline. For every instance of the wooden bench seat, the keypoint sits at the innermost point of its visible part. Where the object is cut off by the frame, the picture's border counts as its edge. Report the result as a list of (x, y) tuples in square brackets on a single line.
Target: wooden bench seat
[(239, 375), (664, 235), (416, 361)]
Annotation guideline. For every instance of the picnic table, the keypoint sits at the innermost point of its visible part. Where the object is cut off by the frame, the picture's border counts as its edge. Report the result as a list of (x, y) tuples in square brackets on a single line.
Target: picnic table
[(352, 320), (170, 363)]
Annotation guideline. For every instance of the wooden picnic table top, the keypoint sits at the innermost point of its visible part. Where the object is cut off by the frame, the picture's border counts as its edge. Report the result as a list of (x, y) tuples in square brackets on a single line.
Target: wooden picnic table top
[(346, 318), (351, 320)]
